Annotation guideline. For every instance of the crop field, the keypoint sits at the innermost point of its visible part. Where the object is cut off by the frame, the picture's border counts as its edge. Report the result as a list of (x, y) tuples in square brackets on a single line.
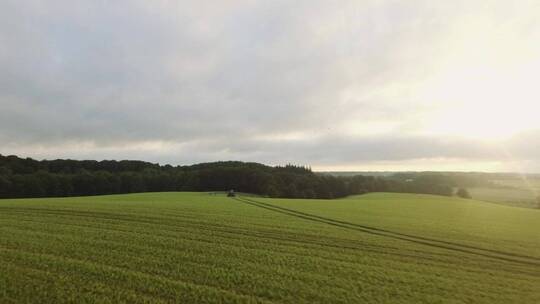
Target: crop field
[(516, 197), (513, 192), (531, 184), (202, 248)]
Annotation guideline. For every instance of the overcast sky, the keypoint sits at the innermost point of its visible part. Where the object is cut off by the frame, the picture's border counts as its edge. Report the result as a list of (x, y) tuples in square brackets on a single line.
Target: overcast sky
[(338, 85)]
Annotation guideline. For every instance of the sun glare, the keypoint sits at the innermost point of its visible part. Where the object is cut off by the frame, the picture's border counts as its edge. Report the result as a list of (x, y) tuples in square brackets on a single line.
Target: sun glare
[(484, 103)]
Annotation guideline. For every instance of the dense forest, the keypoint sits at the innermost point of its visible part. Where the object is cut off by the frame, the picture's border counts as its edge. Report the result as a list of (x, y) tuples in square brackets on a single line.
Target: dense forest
[(26, 177)]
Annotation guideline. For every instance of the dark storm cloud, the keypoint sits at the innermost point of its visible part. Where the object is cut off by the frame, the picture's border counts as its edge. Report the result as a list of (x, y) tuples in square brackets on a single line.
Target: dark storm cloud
[(219, 80)]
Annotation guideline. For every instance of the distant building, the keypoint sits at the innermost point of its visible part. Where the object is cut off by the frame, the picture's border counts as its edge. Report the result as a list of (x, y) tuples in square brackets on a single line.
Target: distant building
[(231, 193)]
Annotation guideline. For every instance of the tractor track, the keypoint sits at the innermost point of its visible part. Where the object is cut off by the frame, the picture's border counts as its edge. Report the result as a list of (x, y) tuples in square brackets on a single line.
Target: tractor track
[(488, 253)]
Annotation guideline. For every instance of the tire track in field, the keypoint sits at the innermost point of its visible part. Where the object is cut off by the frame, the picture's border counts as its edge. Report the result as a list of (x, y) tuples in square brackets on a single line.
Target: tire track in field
[(433, 262), (174, 225), (156, 221), (334, 244), (402, 234), (289, 243), (285, 248), (299, 243), (488, 253)]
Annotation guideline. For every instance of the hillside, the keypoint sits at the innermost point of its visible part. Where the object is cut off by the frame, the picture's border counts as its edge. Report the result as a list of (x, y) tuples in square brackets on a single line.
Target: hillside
[(197, 247)]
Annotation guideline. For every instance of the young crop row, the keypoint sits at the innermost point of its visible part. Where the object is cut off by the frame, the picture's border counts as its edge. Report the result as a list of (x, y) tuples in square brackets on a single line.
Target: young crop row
[(197, 250)]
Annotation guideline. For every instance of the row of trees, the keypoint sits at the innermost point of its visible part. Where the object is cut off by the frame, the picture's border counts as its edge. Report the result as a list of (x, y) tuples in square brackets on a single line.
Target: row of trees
[(31, 178)]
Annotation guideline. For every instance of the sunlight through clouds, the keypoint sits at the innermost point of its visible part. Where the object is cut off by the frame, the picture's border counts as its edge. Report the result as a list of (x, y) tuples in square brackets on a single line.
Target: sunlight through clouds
[(351, 84)]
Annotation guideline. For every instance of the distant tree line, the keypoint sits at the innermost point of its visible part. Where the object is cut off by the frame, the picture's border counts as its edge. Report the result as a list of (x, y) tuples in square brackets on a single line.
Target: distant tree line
[(26, 177)]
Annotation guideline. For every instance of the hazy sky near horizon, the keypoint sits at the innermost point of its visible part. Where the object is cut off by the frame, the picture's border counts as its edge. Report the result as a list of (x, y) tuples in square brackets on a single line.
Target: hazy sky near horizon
[(338, 85)]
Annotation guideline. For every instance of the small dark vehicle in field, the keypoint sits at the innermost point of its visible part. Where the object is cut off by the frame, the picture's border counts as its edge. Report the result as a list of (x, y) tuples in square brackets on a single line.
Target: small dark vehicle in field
[(231, 193)]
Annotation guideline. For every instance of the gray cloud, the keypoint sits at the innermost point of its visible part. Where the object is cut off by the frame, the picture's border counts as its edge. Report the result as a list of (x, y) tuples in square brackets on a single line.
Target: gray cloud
[(186, 81)]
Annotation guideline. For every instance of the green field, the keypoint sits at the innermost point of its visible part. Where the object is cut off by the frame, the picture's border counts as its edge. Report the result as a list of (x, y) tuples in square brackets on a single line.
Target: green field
[(513, 192), (201, 248), (509, 196)]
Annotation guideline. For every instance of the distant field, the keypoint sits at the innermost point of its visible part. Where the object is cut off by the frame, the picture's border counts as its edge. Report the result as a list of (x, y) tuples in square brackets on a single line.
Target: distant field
[(514, 192), (528, 183), (508, 196), (353, 173), (201, 248)]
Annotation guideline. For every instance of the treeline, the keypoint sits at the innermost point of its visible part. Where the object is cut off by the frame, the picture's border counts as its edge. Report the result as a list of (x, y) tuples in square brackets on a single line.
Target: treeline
[(26, 177)]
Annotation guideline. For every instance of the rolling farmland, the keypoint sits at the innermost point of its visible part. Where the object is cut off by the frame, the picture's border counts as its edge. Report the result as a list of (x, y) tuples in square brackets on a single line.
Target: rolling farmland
[(196, 247), (512, 192)]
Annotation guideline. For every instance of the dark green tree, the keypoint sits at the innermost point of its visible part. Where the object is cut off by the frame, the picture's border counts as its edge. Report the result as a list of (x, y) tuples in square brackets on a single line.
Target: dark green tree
[(25, 177), (463, 193)]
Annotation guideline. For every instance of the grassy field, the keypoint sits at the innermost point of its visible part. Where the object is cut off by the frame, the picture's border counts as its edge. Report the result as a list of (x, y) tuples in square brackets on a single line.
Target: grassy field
[(509, 196), (200, 248), (526, 183), (513, 192)]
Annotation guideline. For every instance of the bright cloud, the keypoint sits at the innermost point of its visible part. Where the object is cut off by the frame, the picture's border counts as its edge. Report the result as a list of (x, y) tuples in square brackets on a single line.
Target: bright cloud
[(334, 84)]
